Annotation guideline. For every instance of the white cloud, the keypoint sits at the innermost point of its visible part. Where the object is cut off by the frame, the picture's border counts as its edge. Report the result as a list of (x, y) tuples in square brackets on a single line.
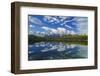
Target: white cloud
[(54, 18), (63, 18), (67, 21), (72, 33), (61, 31), (47, 18), (68, 32), (81, 19), (35, 20), (50, 30), (83, 25), (54, 31), (31, 26), (83, 28), (45, 28), (68, 26), (51, 19)]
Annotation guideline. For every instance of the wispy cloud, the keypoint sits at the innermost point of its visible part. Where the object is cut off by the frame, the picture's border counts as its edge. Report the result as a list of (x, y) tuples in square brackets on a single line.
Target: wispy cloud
[(59, 24), (68, 26), (82, 24), (31, 26), (61, 20), (50, 30), (35, 20)]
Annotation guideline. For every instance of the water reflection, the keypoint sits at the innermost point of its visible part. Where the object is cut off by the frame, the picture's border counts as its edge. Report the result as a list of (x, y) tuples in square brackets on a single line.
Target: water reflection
[(56, 50)]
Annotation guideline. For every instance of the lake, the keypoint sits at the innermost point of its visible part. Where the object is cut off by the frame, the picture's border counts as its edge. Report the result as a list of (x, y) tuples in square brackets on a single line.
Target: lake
[(57, 50)]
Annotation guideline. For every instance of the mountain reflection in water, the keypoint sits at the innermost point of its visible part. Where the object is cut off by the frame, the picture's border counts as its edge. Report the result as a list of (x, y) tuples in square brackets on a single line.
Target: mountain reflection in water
[(56, 50)]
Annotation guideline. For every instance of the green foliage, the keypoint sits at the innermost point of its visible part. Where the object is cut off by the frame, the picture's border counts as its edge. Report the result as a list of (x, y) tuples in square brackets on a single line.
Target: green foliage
[(67, 38), (76, 36)]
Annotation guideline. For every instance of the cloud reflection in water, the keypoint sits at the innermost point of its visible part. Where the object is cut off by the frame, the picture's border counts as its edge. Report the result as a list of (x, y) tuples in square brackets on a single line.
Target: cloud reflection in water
[(56, 50)]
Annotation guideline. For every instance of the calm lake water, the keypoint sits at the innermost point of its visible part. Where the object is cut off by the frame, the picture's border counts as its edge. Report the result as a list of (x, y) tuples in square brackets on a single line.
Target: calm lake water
[(56, 50)]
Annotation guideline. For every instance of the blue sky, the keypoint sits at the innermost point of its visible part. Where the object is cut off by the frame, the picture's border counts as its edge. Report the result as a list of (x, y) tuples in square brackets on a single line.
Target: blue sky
[(57, 24)]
